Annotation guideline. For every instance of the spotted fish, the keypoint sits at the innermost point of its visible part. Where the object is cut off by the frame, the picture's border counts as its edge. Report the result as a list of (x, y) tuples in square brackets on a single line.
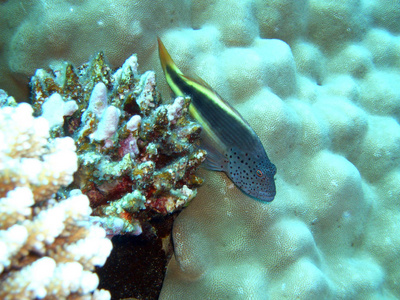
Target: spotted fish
[(232, 145)]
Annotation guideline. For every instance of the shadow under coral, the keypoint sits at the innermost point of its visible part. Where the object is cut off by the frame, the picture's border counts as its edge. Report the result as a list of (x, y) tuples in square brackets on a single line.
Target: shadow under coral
[(136, 266)]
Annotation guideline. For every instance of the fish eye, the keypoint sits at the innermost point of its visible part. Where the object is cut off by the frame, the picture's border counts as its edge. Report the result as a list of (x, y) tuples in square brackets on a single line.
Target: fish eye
[(259, 173)]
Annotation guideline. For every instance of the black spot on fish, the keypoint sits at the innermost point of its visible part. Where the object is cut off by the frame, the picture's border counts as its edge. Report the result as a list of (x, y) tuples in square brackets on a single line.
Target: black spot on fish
[(254, 176), (230, 129)]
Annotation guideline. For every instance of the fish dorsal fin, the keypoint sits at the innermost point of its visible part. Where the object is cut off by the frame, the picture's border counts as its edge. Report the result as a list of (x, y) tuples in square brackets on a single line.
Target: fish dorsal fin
[(198, 80), (165, 58)]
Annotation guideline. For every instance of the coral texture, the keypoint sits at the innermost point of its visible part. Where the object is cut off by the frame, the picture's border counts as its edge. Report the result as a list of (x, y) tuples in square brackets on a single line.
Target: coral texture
[(48, 247), (325, 105), (317, 80), (136, 156)]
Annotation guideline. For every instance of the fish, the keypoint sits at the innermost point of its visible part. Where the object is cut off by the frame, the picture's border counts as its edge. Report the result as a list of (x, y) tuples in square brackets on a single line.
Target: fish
[(232, 145)]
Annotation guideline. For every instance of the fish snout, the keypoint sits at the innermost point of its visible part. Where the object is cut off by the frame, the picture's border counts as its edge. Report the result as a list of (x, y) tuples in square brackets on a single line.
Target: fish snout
[(266, 196)]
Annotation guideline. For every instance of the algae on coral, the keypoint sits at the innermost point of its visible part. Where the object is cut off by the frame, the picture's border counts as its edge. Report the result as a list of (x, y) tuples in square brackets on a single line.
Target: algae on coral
[(136, 155)]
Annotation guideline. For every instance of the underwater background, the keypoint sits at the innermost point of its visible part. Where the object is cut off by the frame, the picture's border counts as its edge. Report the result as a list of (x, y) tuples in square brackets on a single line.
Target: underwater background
[(318, 81)]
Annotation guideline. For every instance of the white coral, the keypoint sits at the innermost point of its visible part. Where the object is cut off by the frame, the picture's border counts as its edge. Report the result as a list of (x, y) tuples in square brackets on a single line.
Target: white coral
[(49, 250), (175, 109), (54, 109), (107, 126), (28, 159), (21, 134), (97, 101)]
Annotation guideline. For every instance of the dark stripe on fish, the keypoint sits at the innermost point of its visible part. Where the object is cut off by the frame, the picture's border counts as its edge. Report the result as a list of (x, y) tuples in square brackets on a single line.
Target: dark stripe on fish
[(225, 126), (232, 145)]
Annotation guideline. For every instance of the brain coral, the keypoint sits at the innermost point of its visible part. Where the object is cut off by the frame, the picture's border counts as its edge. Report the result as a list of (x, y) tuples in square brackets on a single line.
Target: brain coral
[(317, 80)]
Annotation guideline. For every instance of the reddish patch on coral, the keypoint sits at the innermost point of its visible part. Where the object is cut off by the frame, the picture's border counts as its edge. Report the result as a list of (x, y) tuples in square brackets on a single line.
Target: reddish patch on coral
[(150, 191), (125, 215), (158, 205), (123, 186), (108, 191), (96, 198), (71, 124), (128, 145)]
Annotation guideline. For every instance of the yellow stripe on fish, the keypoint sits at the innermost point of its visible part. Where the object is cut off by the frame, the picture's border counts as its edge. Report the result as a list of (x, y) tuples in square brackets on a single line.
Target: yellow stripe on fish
[(232, 145)]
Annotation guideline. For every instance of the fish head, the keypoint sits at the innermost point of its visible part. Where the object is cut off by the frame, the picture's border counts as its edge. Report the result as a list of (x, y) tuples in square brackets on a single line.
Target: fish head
[(253, 173)]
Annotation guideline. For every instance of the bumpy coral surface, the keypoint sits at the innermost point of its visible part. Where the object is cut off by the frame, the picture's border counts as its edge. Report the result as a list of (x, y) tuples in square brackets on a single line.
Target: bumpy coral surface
[(136, 156), (48, 248), (326, 109), (317, 80)]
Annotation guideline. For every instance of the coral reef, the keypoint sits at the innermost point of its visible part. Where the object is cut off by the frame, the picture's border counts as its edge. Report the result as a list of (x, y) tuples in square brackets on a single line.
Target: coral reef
[(35, 34), (316, 79), (6, 100), (136, 156), (48, 247), (326, 110), (135, 161)]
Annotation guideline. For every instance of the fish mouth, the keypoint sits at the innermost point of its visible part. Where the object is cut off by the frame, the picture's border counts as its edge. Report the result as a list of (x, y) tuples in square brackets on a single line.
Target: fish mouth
[(268, 198), (264, 196)]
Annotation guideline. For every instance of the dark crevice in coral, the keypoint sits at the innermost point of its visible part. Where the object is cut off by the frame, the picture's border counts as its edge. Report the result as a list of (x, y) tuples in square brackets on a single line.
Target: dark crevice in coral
[(137, 264)]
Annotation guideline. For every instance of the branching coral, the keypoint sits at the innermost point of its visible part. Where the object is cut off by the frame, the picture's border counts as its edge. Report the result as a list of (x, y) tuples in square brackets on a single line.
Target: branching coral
[(48, 248), (29, 159), (136, 156)]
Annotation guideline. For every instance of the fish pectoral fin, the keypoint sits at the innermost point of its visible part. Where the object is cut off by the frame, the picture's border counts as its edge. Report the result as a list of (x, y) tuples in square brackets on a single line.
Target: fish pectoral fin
[(215, 161), (212, 165)]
